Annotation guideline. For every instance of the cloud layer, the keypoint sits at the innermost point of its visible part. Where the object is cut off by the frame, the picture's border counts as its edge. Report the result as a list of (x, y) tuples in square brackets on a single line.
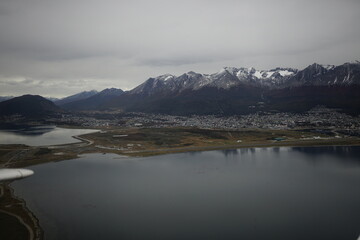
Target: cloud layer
[(56, 48)]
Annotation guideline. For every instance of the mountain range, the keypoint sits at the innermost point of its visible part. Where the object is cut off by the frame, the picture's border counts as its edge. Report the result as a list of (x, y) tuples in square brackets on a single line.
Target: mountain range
[(228, 77), (232, 91), (246, 90)]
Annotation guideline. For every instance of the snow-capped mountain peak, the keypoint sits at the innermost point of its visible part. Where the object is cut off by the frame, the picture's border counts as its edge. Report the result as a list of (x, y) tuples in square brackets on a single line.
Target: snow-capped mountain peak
[(111, 92), (165, 77), (231, 70), (353, 62), (228, 77), (328, 67)]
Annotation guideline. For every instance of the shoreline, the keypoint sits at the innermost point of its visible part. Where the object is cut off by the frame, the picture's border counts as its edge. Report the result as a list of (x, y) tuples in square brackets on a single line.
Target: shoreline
[(171, 141), (232, 147), (143, 142), (16, 207)]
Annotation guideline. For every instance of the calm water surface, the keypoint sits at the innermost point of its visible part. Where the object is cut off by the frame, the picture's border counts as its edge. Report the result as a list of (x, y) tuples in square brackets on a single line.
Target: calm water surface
[(41, 135), (269, 193)]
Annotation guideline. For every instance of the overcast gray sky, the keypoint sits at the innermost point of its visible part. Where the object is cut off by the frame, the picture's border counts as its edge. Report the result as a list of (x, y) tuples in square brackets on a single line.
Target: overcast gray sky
[(58, 48)]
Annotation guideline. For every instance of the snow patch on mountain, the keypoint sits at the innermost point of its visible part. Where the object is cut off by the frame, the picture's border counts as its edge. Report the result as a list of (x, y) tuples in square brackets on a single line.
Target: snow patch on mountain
[(328, 67), (258, 74), (285, 73)]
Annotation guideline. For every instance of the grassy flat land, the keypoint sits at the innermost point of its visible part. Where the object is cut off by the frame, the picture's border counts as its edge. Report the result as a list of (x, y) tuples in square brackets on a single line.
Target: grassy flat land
[(154, 141)]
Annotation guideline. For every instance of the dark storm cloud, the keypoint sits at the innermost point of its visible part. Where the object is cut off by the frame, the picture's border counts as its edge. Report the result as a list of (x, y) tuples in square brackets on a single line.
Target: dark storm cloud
[(79, 45)]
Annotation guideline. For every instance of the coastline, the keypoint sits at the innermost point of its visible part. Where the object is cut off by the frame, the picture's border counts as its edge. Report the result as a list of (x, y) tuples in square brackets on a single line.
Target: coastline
[(230, 147), (139, 143), (143, 142), (15, 207)]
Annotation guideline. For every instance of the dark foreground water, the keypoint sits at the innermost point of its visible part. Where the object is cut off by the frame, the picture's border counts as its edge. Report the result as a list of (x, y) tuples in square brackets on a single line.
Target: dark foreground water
[(273, 193)]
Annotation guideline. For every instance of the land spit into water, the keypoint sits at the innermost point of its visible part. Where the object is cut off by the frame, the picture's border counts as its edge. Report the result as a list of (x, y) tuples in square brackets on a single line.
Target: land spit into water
[(16, 219), (141, 142)]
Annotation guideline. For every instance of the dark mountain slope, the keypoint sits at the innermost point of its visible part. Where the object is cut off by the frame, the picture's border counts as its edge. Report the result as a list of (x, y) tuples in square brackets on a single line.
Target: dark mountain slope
[(303, 98), (75, 97), (208, 100), (95, 101), (4, 98), (32, 106)]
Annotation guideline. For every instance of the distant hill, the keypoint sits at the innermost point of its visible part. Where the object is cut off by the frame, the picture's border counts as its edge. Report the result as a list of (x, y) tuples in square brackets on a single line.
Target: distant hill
[(75, 97), (4, 98), (30, 106), (52, 99), (95, 101)]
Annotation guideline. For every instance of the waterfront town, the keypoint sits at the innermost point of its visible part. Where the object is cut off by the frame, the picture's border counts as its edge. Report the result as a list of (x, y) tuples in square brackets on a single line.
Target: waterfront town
[(320, 117)]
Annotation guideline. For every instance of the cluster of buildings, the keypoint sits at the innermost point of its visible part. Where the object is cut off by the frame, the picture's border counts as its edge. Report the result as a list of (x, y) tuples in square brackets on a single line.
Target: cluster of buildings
[(317, 117)]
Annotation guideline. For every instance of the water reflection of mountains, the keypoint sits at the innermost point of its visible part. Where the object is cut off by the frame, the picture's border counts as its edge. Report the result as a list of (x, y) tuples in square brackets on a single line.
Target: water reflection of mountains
[(346, 153), (242, 151), (31, 131)]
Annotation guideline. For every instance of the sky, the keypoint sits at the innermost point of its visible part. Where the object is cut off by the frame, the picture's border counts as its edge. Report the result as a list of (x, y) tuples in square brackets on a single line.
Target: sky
[(61, 47)]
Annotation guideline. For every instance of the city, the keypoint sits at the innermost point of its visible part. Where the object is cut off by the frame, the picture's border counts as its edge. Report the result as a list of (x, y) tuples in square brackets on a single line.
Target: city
[(319, 117)]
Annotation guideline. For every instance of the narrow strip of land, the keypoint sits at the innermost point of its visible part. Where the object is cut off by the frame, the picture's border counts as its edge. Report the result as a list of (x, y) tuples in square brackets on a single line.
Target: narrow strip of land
[(142, 142)]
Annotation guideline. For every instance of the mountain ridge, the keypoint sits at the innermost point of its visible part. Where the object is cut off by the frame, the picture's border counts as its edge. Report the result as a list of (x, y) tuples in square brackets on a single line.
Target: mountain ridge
[(239, 90), (228, 77), (235, 91)]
